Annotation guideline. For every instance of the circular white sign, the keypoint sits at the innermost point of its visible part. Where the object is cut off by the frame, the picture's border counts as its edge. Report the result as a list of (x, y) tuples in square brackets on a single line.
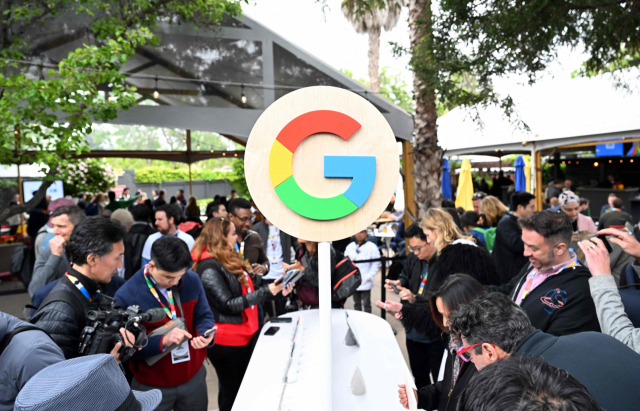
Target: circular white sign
[(321, 163)]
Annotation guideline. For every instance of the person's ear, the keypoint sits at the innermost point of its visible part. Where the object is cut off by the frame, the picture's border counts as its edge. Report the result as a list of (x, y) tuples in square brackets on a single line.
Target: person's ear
[(560, 249), (490, 353), (92, 260)]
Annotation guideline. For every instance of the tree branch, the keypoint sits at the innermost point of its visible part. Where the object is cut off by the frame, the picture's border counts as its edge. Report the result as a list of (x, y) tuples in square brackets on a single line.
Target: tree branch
[(29, 205)]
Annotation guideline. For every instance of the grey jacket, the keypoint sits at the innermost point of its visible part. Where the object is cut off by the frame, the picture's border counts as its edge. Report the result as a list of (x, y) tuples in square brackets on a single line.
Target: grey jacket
[(27, 354), (48, 267), (611, 315)]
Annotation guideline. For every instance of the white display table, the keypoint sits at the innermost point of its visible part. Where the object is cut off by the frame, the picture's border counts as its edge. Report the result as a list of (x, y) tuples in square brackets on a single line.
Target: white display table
[(379, 358)]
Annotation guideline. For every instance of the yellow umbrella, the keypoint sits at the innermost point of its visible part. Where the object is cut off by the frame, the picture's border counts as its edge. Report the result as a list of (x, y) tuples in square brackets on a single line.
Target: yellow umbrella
[(465, 187), (527, 172)]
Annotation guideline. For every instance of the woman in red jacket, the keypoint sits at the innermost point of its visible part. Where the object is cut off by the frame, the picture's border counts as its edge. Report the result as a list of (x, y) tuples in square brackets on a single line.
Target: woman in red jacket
[(234, 301)]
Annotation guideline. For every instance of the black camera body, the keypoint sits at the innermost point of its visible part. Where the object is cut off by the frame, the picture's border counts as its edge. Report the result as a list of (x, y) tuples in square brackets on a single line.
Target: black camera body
[(103, 333)]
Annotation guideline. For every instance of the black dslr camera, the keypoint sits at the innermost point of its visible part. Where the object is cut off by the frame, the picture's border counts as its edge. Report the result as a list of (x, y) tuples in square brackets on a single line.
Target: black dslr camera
[(103, 333)]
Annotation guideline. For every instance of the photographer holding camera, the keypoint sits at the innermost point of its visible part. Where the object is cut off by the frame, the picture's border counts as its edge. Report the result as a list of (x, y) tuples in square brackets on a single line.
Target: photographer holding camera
[(95, 251), (172, 360)]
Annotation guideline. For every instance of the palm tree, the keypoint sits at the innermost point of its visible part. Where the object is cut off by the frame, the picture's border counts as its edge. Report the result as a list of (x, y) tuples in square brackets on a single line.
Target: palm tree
[(372, 23)]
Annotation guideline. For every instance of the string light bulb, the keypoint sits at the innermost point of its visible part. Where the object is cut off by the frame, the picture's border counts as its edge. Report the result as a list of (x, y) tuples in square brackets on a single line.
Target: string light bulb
[(243, 98), (156, 93)]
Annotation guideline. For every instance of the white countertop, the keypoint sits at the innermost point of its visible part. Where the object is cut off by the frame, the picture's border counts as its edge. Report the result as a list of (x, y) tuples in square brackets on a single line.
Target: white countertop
[(379, 358)]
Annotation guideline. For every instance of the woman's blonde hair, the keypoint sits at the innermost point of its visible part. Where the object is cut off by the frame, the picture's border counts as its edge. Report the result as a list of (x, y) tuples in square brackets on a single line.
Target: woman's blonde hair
[(493, 209), (213, 239), (441, 222)]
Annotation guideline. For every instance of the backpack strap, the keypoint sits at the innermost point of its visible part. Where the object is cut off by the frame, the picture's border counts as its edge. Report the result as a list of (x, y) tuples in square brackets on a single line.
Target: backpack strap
[(9, 336), (68, 297)]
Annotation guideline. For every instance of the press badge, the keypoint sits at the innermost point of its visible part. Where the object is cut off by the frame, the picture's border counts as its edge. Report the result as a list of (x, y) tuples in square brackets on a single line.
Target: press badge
[(181, 353)]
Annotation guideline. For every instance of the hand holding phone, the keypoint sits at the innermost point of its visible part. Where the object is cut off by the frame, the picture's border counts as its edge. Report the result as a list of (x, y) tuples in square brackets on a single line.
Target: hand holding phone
[(395, 288), (606, 243)]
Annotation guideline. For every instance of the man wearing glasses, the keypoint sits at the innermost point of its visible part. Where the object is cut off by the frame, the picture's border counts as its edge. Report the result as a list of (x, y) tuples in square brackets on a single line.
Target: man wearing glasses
[(249, 245), (493, 328), (425, 350)]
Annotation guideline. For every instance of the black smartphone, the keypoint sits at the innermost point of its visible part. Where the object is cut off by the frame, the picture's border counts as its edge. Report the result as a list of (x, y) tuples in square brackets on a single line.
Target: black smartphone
[(603, 238), (272, 331), (281, 320), (395, 288), (208, 333)]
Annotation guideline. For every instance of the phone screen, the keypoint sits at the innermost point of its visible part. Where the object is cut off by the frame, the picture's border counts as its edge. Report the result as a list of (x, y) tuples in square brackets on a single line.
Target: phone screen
[(272, 330), (603, 238)]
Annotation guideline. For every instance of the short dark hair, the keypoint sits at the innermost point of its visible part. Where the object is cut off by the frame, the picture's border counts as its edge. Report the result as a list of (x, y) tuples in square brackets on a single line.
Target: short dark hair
[(80, 195), (617, 202), (584, 201), (469, 218), (73, 213), (141, 212), (415, 230), (525, 384), (212, 207), (171, 254), (181, 191), (612, 195), (125, 189), (492, 318), (448, 204), (170, 212), (233, 191), (239, 203), (94, 235), (554, 226), (455, 291), (522, 198), (112, 196), (160, 193)]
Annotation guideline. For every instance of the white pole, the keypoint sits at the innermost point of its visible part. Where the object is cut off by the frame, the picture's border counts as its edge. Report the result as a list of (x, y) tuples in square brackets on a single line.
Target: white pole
[(324, 285)]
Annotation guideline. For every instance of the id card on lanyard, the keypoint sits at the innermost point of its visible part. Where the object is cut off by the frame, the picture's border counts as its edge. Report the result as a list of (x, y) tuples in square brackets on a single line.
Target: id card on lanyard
[(79, 286)]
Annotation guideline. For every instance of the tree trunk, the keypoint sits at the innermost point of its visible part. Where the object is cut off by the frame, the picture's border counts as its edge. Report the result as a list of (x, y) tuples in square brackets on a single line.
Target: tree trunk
[(374, 58), (427, 155)]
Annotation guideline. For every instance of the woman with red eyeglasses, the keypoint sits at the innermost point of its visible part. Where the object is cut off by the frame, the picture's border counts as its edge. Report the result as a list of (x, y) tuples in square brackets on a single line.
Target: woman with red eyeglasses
[(455, 291)]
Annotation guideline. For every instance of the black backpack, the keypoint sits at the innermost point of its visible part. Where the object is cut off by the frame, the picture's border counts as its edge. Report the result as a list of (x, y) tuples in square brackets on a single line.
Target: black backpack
[(346, 280), (22, 261)]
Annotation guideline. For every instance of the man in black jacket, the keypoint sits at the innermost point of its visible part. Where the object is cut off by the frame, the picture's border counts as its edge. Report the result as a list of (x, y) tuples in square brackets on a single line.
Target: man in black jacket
[(95, 248), (425, 351), (493, 328), (554, 292), (508, 248), (136, 238)]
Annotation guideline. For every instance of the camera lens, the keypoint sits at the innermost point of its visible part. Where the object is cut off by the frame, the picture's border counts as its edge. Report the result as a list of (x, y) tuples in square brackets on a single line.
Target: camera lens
[(93, 315)]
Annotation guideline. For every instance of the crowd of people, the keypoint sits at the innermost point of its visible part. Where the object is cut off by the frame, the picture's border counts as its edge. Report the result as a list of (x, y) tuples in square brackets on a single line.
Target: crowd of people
[(518, 309)]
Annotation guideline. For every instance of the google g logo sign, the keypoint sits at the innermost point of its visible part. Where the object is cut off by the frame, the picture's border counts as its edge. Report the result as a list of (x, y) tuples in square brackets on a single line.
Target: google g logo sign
[(361, 168), (321, 163)]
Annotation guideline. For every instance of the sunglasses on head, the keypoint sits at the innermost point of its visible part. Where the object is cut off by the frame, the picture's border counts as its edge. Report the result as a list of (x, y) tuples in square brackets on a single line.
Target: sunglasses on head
[(464, 353), (479, 196)]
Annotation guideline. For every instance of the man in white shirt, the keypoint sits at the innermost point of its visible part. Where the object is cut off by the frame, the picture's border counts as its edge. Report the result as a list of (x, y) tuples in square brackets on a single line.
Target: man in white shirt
[(165, 223), (361, 250), (277, 247)]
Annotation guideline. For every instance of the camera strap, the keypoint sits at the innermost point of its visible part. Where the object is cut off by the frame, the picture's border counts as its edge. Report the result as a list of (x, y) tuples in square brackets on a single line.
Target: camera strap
[(78, 285)]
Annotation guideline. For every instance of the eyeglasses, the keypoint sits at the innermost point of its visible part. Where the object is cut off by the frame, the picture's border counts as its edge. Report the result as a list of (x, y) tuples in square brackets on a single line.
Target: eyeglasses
[(464, 352), (244, 220), (414, 249)]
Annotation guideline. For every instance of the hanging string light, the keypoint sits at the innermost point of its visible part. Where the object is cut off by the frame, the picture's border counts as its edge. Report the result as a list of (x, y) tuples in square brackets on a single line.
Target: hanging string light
[(243, 98), (156, 93)]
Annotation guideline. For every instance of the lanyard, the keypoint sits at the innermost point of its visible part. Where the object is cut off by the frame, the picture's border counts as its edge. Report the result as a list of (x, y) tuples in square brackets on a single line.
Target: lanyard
[(527, 286), (79, 286), (172, 314), (240, 249), (422, 284)]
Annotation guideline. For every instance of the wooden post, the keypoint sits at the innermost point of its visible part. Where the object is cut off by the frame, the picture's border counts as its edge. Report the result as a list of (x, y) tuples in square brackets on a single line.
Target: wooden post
[(538, 189), (189, 161), (21, 194), (409, 182)]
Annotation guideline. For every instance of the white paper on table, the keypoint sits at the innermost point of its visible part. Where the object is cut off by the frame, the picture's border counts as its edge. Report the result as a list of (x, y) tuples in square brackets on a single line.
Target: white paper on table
[(411, 385)]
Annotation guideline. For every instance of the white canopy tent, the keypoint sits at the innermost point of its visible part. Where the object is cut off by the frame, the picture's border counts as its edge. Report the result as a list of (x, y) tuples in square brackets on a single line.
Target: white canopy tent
[(567, 113)]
